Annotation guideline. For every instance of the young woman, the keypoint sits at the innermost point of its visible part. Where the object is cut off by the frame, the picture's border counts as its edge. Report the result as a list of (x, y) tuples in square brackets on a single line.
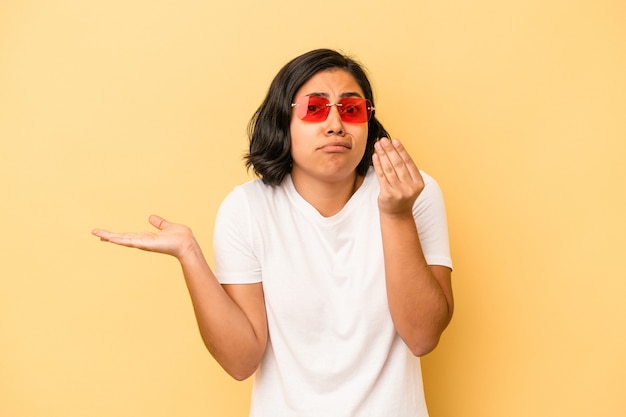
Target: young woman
[(332, 269)]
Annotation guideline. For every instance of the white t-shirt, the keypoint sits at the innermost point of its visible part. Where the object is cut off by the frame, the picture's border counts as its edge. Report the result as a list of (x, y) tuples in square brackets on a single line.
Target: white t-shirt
[(333, 349)]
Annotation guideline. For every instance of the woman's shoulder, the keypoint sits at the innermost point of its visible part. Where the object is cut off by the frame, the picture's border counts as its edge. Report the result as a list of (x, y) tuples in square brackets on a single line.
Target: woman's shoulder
[(257, 188), (254, 190), (431, 186)]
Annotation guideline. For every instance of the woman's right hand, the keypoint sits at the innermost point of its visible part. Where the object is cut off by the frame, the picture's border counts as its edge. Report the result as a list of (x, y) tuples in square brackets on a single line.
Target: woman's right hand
[(171, 238)]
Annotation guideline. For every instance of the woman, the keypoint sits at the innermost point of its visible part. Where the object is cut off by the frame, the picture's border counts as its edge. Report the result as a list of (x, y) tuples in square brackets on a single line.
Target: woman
[(332, 270)]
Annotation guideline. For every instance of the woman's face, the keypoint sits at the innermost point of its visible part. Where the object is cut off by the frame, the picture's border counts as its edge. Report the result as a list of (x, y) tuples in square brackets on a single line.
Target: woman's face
[(328, 150)]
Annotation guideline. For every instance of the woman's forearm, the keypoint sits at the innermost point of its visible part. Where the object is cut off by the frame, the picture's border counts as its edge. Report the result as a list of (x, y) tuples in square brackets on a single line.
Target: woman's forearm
[(235, 334), (419, 295)]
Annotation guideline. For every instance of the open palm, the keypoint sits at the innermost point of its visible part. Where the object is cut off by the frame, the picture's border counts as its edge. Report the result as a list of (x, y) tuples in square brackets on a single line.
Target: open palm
[(171, 238)]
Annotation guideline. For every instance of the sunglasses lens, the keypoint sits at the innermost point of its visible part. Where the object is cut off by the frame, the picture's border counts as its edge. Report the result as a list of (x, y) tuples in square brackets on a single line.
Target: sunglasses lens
[(312, 108), (354, 110)]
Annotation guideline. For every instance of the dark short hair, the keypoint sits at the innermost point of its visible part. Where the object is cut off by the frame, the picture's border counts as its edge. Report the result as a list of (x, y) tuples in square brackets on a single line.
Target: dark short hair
[(269, 129)]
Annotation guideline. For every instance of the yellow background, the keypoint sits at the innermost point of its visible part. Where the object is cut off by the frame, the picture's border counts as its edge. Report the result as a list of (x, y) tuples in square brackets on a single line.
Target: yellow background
[(113, 110)]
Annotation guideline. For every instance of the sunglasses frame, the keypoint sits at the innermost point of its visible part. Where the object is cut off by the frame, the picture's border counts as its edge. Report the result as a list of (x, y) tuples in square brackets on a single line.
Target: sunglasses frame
[(322, 115)]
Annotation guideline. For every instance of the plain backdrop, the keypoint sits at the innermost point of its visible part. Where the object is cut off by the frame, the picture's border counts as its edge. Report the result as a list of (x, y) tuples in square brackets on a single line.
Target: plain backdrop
[(113, 110)]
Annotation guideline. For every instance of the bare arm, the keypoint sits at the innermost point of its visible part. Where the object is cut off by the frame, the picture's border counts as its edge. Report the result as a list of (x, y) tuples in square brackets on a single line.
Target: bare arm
[(231, 318), (420, 296)]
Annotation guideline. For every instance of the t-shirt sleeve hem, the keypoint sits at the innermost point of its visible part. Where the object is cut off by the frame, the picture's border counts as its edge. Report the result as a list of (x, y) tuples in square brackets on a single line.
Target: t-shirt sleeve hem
[(238, 279), (439, 261)]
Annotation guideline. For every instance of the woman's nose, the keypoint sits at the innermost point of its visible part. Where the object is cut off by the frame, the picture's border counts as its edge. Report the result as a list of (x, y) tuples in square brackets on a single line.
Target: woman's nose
[(334, 122)]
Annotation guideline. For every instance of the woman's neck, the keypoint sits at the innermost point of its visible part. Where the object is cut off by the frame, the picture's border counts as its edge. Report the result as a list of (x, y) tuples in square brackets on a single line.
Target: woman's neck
[(328, 197)]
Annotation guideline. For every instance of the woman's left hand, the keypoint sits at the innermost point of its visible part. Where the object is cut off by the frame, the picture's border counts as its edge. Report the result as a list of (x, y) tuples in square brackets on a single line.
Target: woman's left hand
[(399, 178)]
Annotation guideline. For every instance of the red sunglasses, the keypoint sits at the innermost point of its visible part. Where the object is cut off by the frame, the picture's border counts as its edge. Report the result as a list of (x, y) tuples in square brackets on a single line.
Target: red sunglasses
[(316, 109)]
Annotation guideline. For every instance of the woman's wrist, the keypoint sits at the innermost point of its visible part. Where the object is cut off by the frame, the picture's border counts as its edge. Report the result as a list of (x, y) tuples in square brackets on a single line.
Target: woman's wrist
[(189, 250)]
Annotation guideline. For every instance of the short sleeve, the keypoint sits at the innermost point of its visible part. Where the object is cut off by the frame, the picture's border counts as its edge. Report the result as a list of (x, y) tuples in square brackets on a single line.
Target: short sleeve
[(233, 248), (430, 217)]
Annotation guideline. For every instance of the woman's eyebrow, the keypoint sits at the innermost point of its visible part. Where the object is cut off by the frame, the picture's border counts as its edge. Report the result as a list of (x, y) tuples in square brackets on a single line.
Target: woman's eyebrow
[(343, 95), (351, 94)]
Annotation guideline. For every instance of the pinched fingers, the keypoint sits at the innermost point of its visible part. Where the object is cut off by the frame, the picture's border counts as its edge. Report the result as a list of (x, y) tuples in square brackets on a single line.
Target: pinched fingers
[(394, 164), (399, 178)]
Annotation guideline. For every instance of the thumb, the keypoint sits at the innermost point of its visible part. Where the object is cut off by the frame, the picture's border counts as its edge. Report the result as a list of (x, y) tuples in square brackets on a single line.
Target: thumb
[(158, 222)]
